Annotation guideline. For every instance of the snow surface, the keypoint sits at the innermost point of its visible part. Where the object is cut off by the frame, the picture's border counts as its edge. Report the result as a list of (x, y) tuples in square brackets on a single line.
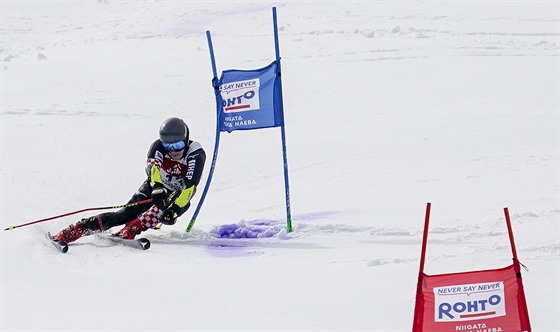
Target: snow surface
[(389, 105)]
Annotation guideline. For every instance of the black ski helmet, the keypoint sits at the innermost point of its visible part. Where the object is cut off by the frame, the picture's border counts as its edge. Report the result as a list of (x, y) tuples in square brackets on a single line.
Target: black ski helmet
[(174, 130)]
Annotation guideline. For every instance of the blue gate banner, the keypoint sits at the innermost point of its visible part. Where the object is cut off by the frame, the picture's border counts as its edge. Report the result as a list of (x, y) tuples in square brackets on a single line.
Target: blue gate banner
[(249, 99)]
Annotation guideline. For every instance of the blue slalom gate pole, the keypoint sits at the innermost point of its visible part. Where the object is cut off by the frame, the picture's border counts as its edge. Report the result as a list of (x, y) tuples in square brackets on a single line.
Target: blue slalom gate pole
[(217, 139), (282, 127), (219, 105)]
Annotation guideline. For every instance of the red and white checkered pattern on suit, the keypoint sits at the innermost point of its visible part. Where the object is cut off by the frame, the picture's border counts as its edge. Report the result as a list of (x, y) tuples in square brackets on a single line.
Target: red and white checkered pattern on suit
[(151, 217)]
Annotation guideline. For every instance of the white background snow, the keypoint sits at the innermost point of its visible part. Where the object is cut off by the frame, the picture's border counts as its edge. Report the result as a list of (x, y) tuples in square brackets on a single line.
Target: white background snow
[(388, 106)]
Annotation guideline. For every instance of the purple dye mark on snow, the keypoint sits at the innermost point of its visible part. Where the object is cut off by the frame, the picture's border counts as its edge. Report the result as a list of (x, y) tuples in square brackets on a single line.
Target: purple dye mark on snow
[(249, 229), (230, 236)]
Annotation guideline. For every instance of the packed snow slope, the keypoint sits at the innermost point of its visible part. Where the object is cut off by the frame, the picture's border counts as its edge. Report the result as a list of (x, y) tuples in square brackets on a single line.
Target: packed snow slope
[(388, 106)]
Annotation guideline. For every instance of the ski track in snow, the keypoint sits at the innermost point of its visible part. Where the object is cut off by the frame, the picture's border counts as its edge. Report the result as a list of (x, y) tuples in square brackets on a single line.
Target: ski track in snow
[(435, 101), (462, 34), (257, 237)]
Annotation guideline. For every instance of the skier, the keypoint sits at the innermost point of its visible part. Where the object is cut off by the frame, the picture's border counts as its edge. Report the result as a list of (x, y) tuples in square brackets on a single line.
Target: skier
[(174, 168)]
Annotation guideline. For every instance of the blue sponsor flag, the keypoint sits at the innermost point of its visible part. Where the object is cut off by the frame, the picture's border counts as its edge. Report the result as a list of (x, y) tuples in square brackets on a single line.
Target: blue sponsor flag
[(249, 99)]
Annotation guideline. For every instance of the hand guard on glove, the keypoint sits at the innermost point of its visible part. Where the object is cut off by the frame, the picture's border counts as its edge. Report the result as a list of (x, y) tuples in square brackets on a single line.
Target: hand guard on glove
[(159, 196), (169, 215)]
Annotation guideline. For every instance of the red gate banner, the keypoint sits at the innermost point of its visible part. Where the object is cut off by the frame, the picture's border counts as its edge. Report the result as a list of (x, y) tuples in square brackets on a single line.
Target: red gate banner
[(475, 301), (490, 300)]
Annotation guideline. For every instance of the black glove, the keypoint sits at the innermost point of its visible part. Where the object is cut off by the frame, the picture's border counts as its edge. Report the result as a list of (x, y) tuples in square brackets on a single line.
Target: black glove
[(169, 215), (159, 196)]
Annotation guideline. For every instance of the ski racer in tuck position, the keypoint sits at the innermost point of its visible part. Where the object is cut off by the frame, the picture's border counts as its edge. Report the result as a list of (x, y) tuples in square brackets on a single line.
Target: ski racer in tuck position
[(174, 167)]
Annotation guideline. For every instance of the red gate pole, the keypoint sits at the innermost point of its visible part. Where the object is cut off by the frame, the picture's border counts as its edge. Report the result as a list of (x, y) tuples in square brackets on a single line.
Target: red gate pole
[(510, 232), (417, 325), (425, 238), (522, 301)]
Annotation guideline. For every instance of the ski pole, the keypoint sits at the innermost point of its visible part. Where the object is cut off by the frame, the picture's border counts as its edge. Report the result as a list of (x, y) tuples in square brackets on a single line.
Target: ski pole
[(83, 210)]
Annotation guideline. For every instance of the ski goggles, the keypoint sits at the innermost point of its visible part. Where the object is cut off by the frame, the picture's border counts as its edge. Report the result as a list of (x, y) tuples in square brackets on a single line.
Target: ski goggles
[(172, 147)]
